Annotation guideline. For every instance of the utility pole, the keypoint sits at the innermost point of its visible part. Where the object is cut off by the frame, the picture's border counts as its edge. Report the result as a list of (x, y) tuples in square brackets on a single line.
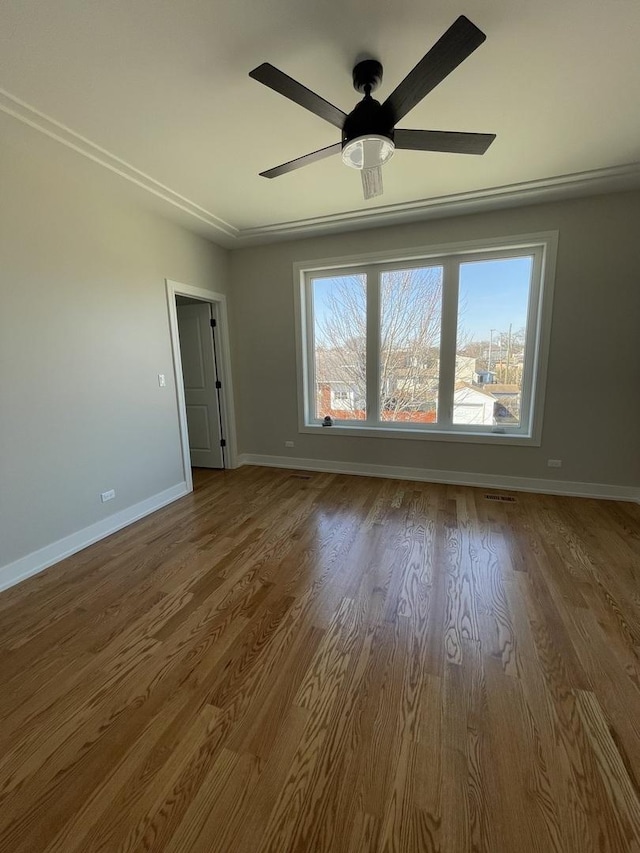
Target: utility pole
[(508, 354), (491, 331)]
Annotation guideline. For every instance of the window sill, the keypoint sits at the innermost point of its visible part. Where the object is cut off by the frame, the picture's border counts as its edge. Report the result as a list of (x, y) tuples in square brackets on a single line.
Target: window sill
[(517, 439)]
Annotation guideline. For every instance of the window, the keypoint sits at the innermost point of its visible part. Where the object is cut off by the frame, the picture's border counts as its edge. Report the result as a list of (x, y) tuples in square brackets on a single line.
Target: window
[(494, 292), (410, 320), (449, 346), (339, 346)]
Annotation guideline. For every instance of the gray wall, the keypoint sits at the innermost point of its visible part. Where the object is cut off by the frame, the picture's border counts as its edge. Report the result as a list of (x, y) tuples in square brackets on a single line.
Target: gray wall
[(83, 334), (592, 411)]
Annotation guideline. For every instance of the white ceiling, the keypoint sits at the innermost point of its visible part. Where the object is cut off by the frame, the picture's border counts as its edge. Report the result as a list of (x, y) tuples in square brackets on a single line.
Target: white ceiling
[(163, 86)]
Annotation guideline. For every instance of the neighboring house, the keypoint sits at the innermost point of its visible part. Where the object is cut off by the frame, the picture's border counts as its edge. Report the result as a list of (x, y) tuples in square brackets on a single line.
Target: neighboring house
[(340, 384), (342, 397), (473, 406), (508, 398), (484, 377), (409, 383), (465, 368), (410, 391)]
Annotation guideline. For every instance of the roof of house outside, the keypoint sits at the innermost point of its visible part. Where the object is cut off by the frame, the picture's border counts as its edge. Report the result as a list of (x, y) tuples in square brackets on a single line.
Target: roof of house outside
[(476, 389), (501, 388)]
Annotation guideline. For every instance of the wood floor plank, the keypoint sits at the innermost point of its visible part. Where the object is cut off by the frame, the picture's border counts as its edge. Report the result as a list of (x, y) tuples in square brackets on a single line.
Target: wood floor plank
[(273, 777), (618, 779), (299, 662)]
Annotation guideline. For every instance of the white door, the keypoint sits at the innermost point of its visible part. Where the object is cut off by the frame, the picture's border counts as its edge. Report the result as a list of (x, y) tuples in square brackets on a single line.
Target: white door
[(200, 392)]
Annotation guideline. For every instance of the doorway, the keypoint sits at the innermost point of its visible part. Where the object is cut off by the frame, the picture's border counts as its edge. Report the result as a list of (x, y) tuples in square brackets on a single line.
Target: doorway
[(200, 344), (201, 381)]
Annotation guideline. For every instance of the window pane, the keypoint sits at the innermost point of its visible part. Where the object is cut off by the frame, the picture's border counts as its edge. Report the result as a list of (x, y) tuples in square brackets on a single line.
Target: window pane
[(411, 310), (491, 341), (340, 334)]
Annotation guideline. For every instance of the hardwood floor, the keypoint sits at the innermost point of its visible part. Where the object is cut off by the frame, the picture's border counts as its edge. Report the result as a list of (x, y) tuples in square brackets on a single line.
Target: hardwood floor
[(289, 662)]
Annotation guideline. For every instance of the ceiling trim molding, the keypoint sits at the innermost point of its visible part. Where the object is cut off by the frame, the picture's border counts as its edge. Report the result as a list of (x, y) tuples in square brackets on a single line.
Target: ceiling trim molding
[(37, 120), (595, 181)]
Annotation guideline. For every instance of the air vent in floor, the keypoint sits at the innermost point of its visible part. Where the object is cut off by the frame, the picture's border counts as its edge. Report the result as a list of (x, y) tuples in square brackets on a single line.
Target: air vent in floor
[(506, 498)]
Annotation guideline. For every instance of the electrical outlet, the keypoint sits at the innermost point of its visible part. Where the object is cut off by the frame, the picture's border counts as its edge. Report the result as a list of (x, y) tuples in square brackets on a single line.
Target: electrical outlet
[(107, 496), (289, 444), (162, 380), (554, 463)]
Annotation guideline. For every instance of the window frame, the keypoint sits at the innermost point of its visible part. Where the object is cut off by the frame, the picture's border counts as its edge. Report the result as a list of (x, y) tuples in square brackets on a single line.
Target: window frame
[(541, 246)]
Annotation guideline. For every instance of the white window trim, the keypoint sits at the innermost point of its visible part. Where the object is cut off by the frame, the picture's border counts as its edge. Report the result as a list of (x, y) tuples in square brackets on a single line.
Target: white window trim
[(543, 245)]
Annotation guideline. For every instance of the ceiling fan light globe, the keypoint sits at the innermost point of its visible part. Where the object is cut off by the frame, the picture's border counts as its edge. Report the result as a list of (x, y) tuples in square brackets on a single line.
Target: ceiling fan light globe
[(367, 152)]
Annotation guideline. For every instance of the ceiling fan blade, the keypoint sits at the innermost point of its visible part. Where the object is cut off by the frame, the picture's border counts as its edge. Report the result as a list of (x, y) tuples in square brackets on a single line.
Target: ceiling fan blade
[(294, 91), (459, 41), (302, 161), (372, 182), (443, 140)]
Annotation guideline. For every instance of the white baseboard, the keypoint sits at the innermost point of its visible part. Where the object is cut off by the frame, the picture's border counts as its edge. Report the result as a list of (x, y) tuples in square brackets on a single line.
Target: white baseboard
[(35, 562), (459, 478)]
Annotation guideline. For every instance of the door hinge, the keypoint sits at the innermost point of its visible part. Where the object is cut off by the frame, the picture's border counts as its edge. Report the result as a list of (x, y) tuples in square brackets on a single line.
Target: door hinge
[(223, 443), (218, 384), (213, 323)]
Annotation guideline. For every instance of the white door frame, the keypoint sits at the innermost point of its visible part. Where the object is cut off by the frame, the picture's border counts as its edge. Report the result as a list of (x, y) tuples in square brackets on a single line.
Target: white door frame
[(219, 303)]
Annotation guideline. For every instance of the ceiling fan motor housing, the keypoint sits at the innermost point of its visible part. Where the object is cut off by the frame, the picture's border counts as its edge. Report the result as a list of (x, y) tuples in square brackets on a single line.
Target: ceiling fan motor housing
[(368, 118)]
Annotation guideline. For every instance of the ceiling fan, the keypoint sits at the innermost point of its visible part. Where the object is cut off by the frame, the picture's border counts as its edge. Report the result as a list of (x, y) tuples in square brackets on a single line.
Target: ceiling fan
[(369, 134)]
